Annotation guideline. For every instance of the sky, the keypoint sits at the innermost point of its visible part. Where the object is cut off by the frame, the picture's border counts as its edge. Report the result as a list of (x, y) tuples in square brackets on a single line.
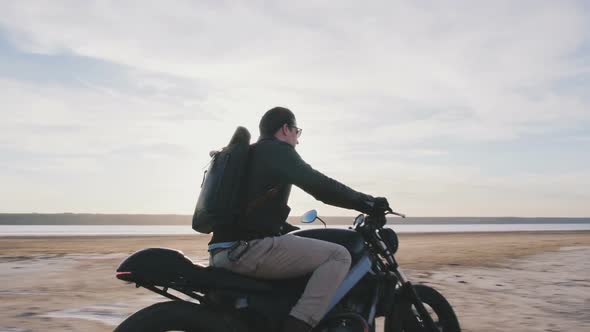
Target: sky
[(447, 108)]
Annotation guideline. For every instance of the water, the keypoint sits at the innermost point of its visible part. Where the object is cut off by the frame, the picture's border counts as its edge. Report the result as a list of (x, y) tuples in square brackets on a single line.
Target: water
[(90, 230)]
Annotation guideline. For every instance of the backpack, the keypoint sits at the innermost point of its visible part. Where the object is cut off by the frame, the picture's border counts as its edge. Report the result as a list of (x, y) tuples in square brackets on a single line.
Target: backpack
[(220, 199)]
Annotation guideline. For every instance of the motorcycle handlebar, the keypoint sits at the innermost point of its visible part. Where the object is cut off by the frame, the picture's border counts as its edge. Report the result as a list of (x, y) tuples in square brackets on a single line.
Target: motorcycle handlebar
[(396, 213), (379, 219), (389, 210)]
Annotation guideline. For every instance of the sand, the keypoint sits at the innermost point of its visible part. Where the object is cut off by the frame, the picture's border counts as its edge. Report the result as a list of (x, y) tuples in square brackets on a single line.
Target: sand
[(496, 281)]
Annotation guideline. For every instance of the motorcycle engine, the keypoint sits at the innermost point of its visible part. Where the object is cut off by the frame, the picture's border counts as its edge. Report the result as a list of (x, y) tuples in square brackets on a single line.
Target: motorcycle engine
[(343, 329), (345, 322)]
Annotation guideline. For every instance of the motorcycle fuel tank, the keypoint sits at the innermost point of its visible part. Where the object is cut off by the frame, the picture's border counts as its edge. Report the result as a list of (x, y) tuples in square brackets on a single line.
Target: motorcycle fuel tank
[(349, 239)]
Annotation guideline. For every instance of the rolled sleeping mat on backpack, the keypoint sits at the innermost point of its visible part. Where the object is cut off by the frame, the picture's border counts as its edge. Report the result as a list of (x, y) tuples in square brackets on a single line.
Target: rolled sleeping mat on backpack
[(241, 135)]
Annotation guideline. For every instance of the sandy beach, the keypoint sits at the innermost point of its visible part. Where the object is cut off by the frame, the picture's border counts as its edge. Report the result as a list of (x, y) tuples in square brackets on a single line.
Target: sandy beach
[(497, 282)]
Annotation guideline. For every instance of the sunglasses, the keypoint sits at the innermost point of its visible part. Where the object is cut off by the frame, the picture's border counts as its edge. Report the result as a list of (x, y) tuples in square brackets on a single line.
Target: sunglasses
[(299, 130)]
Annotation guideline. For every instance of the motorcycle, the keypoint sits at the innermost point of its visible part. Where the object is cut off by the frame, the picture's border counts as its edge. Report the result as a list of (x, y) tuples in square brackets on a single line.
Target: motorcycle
[(214, 299)]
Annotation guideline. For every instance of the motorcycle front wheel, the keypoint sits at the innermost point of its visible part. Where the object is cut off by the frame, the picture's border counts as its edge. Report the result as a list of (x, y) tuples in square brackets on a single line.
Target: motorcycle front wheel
[(406, 319), (177, 316)]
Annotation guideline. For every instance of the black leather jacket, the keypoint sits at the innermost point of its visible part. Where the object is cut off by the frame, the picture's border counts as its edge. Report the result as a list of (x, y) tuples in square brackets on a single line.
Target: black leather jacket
[(273, 167)]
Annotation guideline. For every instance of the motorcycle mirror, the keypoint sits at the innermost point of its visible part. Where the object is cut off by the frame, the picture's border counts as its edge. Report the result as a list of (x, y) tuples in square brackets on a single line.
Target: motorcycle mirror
[(309, 217), (359, 219)]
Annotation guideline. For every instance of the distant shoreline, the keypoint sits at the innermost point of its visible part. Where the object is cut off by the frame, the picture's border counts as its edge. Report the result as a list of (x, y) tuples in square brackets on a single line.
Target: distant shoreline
[(176, 219)]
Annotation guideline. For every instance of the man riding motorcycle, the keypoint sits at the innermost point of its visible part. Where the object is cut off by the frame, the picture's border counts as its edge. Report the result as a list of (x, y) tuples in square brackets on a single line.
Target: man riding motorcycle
[(259, 244)]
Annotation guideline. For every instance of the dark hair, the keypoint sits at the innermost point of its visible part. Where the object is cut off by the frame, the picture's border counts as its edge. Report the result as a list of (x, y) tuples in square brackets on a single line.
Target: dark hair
[(274, 119)]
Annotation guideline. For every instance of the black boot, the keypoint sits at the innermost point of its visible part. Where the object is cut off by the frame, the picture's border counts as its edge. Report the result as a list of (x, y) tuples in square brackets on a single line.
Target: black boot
[(293, 324)]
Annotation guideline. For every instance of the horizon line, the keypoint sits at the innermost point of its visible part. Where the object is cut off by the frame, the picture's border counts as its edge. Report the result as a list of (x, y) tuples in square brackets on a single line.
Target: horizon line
[(292, 216)]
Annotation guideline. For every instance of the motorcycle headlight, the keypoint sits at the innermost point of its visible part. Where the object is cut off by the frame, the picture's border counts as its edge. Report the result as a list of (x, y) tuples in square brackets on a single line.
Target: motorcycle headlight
[(389, 236)]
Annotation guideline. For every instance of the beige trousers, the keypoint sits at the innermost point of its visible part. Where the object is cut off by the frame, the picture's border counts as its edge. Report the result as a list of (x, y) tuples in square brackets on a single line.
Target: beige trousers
[(291, 256)]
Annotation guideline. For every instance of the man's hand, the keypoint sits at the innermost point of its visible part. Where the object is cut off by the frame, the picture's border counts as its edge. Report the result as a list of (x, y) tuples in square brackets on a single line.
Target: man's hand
[(380, 205)]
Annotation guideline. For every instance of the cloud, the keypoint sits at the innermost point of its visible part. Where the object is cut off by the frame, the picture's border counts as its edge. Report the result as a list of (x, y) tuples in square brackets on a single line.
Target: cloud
[(388, 86), (470, 56)]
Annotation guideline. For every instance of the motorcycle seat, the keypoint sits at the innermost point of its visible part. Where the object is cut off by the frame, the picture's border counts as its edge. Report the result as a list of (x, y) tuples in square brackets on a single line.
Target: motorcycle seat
[(171, 268), (225, 279)]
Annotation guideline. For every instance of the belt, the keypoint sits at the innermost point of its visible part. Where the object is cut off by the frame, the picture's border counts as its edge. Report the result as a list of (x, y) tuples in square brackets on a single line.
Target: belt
[(235, 251), (216, 251)]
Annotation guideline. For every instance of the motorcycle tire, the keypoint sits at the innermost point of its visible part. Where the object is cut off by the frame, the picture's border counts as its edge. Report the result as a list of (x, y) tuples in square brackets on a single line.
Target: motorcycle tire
[(405, 320), (178, 316)]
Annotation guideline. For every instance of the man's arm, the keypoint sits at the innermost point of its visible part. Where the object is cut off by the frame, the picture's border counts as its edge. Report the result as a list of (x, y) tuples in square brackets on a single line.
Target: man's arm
[(287, 163)]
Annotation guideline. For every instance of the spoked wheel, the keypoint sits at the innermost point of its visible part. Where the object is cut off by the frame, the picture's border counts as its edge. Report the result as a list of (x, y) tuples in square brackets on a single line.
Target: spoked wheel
[(176, 316), (407, 319)]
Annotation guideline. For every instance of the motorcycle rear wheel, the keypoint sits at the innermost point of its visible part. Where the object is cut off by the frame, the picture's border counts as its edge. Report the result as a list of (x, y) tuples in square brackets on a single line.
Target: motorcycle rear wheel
[(176, 316), (439, 308)]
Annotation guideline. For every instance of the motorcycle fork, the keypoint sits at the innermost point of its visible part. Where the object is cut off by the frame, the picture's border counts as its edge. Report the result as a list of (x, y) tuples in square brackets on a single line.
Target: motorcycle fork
[(407, 289), (408, 293)]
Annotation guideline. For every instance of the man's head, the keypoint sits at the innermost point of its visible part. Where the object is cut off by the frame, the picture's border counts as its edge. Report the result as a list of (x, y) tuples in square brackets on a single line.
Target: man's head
[(279, 122)]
